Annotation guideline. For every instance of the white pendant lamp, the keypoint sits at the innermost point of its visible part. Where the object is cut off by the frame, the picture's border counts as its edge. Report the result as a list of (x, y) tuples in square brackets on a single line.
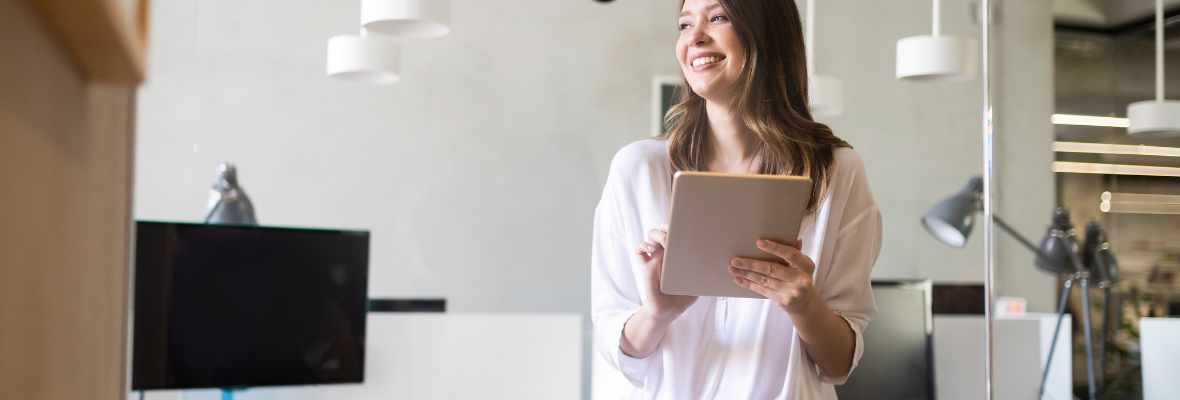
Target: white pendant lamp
[(825, 93), (410, 18), (367, 58), (936, 58), (1159, 117)]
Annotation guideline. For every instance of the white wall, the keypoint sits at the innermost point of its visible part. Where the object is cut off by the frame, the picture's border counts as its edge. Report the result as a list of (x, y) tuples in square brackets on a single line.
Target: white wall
[(479, 172)]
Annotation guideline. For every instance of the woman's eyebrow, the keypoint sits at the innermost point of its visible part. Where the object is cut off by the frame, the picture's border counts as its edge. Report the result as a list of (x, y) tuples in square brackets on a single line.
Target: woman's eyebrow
[(687, 12)]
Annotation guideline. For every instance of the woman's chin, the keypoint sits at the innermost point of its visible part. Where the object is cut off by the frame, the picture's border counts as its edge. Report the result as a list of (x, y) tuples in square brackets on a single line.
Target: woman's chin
[(709, 94)]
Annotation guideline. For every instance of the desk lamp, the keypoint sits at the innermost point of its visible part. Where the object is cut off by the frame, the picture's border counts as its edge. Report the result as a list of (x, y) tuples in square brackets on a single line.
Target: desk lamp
[(228, 203), (951, 221), (1105, 268)]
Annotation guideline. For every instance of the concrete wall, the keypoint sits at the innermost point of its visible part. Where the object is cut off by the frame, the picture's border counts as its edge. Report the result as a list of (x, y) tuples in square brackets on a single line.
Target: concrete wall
[(65, 166), (479, 172)]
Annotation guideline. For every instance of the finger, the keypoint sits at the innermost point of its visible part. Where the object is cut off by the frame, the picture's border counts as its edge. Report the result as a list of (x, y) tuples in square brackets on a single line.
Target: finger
[(757, 288), (755, 277), (657, 236), (644, 250), (791, 255), (771, 269), (799, 243), (664, 227)]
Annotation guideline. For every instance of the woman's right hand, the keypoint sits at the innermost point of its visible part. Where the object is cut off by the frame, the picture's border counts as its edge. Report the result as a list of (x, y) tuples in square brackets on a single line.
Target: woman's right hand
[(651, 253)]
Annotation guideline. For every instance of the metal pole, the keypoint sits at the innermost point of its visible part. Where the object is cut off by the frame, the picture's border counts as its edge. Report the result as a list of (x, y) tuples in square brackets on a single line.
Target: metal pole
[(1084, 277), (1159, 51), (937, 28), (1056, 332), (1089, 335), (1105, 329), (988, 245)]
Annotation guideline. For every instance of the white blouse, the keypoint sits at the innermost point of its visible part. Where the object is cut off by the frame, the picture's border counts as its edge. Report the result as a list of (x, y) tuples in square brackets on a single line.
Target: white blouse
[(725, 348)]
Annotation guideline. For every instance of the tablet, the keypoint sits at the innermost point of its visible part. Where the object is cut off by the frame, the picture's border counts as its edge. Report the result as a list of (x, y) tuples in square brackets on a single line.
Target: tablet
[(716, 217)]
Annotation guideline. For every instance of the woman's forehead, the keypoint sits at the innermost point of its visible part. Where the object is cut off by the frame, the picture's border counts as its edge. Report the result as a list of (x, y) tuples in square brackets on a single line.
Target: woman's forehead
[(688, 7)]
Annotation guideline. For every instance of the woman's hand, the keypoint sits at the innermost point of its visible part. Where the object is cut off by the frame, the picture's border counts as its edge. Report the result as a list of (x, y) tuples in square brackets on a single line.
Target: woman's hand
[(651, 253), (643, 332), (828, 338), (789, 285)]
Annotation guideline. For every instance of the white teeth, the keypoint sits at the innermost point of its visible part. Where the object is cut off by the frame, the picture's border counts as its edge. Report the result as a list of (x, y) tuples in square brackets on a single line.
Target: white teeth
[(705, 60)]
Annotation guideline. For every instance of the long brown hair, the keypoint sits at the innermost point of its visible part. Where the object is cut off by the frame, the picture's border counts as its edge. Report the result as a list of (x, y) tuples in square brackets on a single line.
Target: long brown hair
[(770, 98)]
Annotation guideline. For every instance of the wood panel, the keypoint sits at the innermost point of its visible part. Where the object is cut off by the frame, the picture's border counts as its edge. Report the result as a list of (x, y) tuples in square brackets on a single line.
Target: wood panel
[(105, 39), (65, 170)]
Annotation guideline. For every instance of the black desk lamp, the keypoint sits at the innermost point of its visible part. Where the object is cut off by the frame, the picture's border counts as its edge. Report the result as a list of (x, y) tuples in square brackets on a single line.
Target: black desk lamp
[(228, 203), (951, 221), (1100, 259)]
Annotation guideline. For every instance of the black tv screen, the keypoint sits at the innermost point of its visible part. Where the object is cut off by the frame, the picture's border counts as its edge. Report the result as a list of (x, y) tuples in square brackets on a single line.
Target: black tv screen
[(221, 306)]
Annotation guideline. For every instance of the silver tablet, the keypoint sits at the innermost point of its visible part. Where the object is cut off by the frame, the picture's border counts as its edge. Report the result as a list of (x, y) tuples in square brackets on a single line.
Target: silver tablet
[(716, 217)]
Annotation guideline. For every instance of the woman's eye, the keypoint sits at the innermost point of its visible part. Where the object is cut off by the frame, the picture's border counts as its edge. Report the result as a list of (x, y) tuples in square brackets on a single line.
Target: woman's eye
[(718, 18), (682, 26)]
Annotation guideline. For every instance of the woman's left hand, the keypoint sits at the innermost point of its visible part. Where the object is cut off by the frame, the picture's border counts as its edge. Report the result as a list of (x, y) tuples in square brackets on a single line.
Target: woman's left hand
[(789, 285)]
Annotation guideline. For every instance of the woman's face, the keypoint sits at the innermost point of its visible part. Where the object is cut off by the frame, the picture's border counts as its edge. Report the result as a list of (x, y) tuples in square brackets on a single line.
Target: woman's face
[(710, 54)]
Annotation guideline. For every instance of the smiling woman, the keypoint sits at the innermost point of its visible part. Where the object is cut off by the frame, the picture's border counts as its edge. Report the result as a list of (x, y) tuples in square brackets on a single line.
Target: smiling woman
[(746, 113)]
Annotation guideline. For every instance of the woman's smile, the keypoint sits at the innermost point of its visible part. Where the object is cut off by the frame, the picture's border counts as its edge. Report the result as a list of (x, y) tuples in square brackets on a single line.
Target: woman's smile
[(705, 60)]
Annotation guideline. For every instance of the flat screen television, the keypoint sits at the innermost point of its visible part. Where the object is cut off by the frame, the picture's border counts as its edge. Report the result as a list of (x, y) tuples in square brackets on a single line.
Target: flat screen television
[(223, 306)]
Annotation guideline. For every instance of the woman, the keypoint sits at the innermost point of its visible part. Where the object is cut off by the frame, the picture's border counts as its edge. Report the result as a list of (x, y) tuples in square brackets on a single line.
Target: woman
[(746, 112)]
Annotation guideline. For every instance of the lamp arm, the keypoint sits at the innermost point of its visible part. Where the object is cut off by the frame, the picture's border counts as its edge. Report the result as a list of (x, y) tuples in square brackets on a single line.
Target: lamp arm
[(1003, 225)]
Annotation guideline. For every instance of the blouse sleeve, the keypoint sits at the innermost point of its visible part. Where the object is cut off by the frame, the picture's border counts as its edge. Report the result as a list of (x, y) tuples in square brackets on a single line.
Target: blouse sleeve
[(850, 294), (614, 292), (848, 288)]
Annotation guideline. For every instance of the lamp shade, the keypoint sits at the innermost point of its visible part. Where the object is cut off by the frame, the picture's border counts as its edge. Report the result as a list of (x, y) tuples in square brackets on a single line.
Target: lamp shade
[(411, 18), (1098, 257), (951, 220), (936, 58), (228, 202), (366, 58), (1154, 118), (1060, 246), (826, 97)]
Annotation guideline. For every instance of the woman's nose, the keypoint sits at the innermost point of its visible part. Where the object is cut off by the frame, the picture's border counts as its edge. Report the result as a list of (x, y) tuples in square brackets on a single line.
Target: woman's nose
[(700, 37)]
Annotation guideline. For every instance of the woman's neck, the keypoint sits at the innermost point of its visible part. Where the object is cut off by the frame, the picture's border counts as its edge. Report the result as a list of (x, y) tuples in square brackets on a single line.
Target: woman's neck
[(731, 144)]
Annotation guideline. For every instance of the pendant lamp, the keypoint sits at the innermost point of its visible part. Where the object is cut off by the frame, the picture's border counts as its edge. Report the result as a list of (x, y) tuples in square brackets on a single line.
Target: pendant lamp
[(1159, 117), (410, 18), (825, 93), (367, 58), (936, 58)]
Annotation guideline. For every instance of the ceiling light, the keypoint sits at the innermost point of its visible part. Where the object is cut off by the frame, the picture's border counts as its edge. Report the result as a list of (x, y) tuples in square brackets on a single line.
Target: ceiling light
[(1103, 148), (368, 58), (1159, 118), (936, 58), (1086, 120), (1140, 198), (1113, 169), (410, 18), (1137, 203)]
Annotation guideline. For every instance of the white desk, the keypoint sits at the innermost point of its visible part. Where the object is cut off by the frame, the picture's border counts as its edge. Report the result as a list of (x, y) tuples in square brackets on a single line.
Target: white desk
[(450, 356), (1161, 357)]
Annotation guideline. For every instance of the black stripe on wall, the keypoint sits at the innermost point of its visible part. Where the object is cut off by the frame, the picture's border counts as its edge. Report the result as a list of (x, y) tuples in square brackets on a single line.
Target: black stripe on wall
[(407, 305)]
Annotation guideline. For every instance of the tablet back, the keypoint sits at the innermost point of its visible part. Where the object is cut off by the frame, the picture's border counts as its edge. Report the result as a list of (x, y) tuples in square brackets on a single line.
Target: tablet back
[(716, 217)]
